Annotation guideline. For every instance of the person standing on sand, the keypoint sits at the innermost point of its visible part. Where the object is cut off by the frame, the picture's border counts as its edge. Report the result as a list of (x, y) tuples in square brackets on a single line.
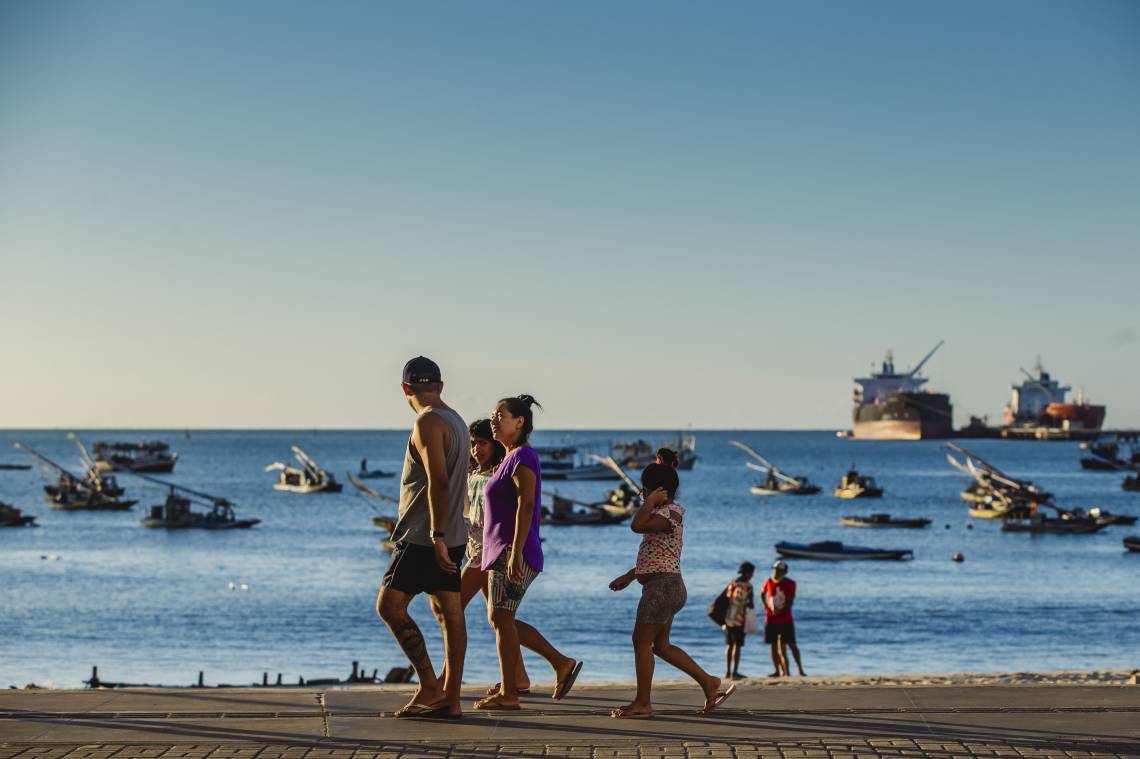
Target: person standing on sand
[(486, 455), (429, 539), (661, 521), (740, 599), (512, 549), (779, 628)]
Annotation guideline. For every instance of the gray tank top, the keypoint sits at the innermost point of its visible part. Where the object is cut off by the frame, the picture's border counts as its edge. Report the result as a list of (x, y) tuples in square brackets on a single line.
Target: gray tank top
[(414, 522)]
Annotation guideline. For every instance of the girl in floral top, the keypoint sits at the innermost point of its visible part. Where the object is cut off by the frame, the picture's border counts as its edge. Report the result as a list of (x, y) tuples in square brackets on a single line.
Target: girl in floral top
[(661, 521)]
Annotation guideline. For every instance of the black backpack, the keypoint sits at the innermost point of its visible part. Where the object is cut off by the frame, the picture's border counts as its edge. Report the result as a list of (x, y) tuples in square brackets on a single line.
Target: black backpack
[(718, 609)]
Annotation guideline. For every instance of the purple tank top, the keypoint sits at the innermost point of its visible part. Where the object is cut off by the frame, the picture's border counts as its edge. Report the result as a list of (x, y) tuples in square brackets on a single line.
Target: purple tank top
[(500, 505)]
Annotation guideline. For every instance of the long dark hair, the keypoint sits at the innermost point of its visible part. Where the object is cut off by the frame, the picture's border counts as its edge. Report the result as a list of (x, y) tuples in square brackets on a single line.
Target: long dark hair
[(481, 429), (523, 405), (660, 476)]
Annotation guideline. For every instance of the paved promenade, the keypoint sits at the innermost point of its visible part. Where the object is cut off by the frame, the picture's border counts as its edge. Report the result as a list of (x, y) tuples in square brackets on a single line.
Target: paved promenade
[(1036, 722)]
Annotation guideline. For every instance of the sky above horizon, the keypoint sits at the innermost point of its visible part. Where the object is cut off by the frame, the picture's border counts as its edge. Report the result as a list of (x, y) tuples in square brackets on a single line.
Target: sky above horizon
[(220, 214)]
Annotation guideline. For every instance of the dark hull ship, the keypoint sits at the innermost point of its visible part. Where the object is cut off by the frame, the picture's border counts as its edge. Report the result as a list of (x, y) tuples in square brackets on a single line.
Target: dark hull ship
[(891, 405)]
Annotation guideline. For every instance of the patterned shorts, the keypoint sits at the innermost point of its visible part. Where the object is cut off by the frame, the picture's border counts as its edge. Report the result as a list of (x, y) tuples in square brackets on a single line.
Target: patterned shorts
[(662, 596), (501, 592), (474, 543)]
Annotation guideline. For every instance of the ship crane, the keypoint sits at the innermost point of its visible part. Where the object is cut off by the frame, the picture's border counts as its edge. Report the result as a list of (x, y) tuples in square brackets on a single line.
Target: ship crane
[(915, 370)]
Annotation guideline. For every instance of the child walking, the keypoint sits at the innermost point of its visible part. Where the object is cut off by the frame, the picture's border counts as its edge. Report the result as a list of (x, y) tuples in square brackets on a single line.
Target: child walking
[(661, 520)]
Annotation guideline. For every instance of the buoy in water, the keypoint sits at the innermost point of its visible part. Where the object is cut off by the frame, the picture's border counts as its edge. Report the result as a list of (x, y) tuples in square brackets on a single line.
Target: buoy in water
[(959, 557), (969, 527)]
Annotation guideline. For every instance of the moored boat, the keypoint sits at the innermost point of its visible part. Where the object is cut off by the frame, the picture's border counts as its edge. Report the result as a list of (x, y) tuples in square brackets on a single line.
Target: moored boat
[(775, 482), (1132, 543), (175, 512), (1131, 482), (833, 550), (855, 485), (310, 478), (75, 493), (639, 454), (1065, 523), (562, 513), (153, 457), (10, 516), (883, 520), (372, 474), (1107, 517)]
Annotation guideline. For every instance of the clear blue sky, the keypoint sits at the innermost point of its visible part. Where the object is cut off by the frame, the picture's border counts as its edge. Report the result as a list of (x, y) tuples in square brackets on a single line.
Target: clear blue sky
[(645, 214)]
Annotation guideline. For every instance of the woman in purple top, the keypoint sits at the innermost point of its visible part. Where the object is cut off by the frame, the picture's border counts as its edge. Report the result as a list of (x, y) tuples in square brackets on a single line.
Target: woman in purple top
[(512, 551)]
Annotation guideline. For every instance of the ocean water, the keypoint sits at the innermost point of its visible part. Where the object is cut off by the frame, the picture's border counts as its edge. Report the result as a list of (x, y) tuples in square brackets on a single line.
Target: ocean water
[(151, 606)]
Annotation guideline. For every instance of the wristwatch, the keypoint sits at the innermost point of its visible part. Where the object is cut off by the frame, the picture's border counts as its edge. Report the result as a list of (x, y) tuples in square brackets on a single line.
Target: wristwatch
[(438, 534)]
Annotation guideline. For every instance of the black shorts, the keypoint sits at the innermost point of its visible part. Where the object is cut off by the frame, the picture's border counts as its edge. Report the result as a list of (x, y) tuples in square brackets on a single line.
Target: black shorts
[(774, 630), (734, 635), (413, 570)]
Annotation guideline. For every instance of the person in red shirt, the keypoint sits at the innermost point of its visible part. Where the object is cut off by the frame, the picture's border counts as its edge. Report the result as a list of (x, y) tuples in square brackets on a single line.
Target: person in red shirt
[(779, 628)]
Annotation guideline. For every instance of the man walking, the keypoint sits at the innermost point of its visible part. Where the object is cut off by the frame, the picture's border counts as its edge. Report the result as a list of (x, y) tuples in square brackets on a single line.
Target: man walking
[(430, 538), (779, 628)]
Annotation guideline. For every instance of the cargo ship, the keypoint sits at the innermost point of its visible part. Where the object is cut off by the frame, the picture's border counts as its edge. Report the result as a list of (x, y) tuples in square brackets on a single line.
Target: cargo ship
[(1039, 402), (892, 405)]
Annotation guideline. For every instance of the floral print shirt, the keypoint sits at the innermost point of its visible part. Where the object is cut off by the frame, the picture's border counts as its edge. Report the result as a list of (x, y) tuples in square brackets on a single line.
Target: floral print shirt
[(660, 552)]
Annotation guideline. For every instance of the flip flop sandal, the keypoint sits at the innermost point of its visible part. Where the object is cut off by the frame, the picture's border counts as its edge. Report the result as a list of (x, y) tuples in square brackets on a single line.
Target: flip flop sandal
[(437, 712), (413, 709), (718, 700), (564, 687), (494, 690), (492, 703)]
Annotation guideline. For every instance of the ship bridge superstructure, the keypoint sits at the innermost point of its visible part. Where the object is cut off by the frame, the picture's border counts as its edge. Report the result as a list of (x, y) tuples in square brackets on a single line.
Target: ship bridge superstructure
[(881, 385), (1031, 398)]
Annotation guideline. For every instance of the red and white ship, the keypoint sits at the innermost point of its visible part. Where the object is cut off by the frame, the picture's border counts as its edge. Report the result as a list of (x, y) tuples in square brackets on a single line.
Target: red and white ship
[(1040, 402)]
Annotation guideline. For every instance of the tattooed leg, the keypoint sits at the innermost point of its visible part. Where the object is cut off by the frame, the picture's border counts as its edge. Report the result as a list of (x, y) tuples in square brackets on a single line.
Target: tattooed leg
[(392, 606)]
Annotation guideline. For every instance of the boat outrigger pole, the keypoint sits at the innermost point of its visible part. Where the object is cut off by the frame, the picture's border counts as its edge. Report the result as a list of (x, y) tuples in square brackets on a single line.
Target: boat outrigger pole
[(45, 460), (616, 467), (213, 500), (765, 466)]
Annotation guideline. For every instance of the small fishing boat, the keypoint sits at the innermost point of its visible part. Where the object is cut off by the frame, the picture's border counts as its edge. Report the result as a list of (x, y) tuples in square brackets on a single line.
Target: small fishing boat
[(371, 474), (175, 513), (882, 520), (75, 493), (1065, 523), (562, 513), (1132, 543), (776, 482), (148, 456), (566, 462), (855, 485), (310, 478), (10, 516), (1105, 456), (639, 454), (1107, 517), (1131, 482), (15, 467), (833, 550)]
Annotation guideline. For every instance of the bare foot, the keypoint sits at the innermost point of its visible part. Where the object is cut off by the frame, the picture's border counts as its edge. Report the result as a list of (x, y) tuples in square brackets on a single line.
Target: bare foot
[(633, 711)]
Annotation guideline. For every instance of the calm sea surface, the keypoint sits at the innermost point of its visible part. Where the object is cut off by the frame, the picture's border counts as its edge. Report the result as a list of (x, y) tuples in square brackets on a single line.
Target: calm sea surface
[(150, 606)]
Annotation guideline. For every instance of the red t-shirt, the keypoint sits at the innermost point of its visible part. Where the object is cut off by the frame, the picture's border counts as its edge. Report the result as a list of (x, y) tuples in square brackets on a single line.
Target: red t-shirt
[(778, 600)]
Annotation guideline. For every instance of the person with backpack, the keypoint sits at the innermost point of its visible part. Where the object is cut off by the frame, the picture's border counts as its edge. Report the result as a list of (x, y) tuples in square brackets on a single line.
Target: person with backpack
[(779, 593), (740, 599)]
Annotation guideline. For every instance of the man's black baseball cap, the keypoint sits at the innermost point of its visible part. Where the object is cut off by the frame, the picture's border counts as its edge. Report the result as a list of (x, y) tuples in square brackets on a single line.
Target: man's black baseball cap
[(421, 370)]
